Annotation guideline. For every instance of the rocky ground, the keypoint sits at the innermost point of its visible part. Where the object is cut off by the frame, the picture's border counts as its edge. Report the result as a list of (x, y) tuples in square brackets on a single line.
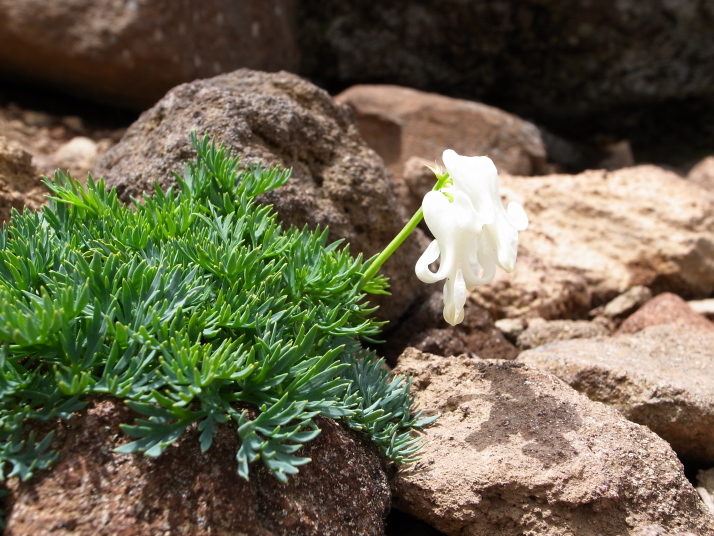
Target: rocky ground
[(576, 398)]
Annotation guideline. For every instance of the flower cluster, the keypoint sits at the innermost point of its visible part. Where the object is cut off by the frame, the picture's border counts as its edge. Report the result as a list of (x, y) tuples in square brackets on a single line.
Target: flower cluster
[(473, 233)]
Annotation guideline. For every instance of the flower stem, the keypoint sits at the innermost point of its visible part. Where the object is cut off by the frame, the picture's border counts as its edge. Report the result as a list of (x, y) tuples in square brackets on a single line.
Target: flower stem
[(401, 237)]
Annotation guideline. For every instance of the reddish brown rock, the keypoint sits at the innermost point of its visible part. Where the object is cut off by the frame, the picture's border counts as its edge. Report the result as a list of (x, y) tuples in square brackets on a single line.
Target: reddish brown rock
[(131, 53), (337, 180), (660, 377), (93, 491), (664, 309), (516, 451), (400, 123)]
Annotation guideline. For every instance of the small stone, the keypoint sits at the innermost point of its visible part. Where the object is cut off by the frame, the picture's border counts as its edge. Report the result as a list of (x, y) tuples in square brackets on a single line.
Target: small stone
[(511, 327), (627, 302), (703, 307), (703, 174)]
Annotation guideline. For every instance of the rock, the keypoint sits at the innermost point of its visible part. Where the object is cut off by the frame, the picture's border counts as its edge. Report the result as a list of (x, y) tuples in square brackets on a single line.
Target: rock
[(400, 123), (131, 53), (664, 309), (703, 307), (618, 155), (540, 332), (511, 327), (625, 304), (516, 451), (703, 173), (558, 59), (660, 377), (705, 487), (91, 490), (614, 229), (535, 289), (279, 119), (77, 156), (426, 330), (415, 181), (20, 184)]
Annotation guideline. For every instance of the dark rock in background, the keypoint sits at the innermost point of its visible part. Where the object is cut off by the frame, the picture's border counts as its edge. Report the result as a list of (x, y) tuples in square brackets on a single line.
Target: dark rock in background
[(571, 65)]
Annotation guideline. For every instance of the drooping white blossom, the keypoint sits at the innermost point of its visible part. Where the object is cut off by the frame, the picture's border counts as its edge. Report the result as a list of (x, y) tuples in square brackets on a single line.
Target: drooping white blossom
[(472, 231)]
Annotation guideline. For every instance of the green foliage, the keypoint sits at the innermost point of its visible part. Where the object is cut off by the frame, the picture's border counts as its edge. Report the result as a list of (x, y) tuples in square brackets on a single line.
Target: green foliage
[(191, 306)]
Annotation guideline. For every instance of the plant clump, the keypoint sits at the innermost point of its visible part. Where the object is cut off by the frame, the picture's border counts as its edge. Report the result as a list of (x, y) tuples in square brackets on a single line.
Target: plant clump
[(192, 306)]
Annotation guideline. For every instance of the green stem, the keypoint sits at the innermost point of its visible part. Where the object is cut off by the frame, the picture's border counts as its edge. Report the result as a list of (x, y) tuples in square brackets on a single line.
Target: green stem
[(401, 237), (392, 246)]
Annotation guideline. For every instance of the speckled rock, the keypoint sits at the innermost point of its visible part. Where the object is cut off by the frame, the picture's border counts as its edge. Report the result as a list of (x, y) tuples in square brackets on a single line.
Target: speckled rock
[(132, 52), (516, 451), (279, 118), (20, 184), (661, 377), (92, 491), (664, 309)]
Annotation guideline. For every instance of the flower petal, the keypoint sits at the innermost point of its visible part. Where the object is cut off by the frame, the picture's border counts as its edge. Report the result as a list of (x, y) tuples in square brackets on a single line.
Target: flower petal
[(517, 216), (454, 298), (422, 266), (477, 177)]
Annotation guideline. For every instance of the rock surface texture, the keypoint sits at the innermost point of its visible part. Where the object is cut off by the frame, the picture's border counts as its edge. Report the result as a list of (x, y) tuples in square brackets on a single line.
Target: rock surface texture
[(540, 332), (20, 184), (93, 491), (660, 377), (279, 119), (131, 53), (516, 451), (561, 58), (614, 229)]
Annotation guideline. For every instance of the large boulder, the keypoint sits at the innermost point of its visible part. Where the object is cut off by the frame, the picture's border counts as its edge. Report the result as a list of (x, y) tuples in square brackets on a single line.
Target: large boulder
[(131, 53), (93, 491), (517, 451), (660, 377), (337, 180), (550, 57)]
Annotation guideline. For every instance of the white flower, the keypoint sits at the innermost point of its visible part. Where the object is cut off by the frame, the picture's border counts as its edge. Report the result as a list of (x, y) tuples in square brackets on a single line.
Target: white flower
[(472, 231)]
